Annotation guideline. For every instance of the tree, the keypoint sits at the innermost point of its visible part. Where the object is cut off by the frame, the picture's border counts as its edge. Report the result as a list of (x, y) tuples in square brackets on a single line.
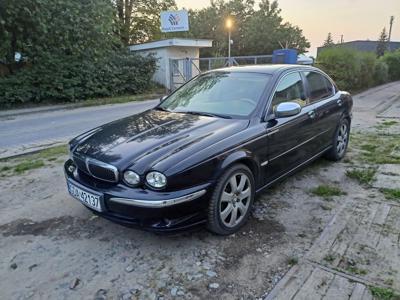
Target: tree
[(70, 52), (139, 20), (255, 31), (381, 48), (329, 41)]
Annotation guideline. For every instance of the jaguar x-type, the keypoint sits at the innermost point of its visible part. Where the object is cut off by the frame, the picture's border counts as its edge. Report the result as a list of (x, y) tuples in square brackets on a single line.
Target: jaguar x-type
[(205, 151)]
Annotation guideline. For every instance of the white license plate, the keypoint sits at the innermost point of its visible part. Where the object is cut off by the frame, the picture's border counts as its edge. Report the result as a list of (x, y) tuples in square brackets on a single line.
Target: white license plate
[(87, 198)]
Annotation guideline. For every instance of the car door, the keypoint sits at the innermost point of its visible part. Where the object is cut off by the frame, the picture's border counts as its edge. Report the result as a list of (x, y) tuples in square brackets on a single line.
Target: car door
[(327, 104), (289, 138)]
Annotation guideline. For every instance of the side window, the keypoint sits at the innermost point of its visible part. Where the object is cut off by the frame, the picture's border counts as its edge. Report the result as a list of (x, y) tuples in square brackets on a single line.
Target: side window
[(289, 89), (320, 87)]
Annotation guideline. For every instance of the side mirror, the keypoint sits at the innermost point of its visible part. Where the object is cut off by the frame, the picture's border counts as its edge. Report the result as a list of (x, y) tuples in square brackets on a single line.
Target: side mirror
[(287, 109), (162, 98)]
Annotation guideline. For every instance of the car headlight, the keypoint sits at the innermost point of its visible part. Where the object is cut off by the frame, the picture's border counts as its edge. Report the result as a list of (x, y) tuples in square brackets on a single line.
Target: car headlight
[(156, 179), (131, 177)]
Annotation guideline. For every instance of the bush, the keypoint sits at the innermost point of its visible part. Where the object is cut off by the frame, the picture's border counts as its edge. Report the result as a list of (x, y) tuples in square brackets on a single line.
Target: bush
[(392, 59), (381, 74), (59, 79), (342, 65), (353, 70)]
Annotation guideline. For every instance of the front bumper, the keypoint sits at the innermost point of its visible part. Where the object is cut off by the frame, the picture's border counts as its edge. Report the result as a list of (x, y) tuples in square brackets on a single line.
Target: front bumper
[(151, 210)]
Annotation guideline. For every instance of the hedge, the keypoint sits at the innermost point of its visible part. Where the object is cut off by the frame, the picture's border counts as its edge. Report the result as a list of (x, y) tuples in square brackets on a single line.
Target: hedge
[(354, 70), (392, 59), (63, 79)]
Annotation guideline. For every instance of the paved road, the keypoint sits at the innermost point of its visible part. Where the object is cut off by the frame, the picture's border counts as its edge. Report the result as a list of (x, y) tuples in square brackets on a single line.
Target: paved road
[(27, 132)]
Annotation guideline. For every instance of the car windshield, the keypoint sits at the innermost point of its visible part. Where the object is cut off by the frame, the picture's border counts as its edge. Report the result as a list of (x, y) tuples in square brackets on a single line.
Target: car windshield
[(223, 94)]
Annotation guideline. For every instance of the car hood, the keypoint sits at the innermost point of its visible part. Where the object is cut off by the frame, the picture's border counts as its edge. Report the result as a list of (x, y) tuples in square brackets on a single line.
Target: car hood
[(154, 139)]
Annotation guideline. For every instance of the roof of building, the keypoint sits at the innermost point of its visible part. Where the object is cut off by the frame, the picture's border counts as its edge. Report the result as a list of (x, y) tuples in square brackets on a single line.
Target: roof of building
[(368, 46), (175, 42)]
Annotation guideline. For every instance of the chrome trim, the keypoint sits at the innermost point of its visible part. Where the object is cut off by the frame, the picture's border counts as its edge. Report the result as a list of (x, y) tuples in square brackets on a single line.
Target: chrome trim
[(103, 165), (159, 203), (273, 132), (264, 163), (299, 145), (294, 169)]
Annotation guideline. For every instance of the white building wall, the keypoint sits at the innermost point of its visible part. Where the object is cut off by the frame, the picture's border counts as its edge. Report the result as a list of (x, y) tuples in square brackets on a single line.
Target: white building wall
[(163, 55)]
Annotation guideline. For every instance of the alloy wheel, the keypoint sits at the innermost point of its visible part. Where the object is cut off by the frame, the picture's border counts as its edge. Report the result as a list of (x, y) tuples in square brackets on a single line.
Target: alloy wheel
[(342, 139), (235, 199)]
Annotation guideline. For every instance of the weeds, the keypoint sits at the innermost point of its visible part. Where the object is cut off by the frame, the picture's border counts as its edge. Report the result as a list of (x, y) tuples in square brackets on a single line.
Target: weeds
[(363, 176), (391, 194), (383, 293), (356, 271), (376, 148), (293, 261), (327, 191)]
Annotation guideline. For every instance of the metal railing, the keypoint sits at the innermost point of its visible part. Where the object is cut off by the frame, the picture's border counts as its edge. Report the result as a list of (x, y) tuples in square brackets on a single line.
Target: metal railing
[(184, 69)]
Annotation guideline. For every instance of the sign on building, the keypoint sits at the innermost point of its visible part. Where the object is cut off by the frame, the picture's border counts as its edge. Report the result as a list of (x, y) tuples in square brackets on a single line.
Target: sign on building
[(172, 21)]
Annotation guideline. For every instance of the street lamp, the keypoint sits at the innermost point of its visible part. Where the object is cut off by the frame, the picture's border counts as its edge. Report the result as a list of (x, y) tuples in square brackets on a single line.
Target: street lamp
[(228, 24)]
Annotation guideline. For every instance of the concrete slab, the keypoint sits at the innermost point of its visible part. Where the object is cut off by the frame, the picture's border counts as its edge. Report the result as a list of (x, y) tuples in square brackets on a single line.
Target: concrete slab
[(388, 177), (309, 281)]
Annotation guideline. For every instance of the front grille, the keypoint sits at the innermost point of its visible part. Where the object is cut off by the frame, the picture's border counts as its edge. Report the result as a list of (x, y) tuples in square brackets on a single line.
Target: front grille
[(96, 169), (103, 172)]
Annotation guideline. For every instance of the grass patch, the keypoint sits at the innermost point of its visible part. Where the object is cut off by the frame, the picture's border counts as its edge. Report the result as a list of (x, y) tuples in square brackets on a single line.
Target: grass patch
[(293, 261), (376, 148), (327, 191), (24, 163), (28, 165), (363, 176), (386, 124), (356, 271), (329, 258), (383, 293), (122, 99), (391, 194)]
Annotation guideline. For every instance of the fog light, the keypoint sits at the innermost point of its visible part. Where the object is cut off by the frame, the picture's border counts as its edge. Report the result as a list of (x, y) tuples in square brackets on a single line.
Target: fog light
[(156, 180), (131, 177), (71, 168)]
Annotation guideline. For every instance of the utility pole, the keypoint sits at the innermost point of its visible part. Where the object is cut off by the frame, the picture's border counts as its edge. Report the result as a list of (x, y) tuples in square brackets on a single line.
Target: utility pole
[(390, 31), (341, 39)]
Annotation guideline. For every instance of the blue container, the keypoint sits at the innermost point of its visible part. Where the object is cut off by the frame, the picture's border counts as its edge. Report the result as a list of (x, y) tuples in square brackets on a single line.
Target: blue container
[(284, 56)]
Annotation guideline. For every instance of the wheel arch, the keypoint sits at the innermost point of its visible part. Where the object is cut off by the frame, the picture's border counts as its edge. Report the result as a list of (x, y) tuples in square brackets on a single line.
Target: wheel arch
[(242, 157)]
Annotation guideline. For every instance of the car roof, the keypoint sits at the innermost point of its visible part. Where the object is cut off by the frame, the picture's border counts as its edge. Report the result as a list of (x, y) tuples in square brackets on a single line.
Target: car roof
[(267, 69)]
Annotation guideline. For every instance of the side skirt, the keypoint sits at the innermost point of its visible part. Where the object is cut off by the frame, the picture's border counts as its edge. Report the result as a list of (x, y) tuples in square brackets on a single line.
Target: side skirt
[(290, 172)]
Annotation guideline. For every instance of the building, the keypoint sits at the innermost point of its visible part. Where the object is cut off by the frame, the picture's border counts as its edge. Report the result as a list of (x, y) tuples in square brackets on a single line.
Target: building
[(365, 46), (166, 51)]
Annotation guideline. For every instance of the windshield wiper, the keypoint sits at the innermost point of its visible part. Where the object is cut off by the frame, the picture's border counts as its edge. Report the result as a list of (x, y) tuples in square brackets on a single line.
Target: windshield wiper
[(161, 108), (207, 114)]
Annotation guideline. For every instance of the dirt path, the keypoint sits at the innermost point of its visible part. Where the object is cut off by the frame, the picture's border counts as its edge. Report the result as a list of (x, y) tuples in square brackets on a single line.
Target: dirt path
[(51, 247), (357, 256)]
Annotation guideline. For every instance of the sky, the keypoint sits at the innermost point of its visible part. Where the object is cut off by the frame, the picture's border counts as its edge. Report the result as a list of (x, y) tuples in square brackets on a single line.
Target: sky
[(355, 19)]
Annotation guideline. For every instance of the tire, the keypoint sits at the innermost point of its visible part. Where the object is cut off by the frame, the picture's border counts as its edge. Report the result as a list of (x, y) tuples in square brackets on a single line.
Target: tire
[(340, 141), (232, 199)]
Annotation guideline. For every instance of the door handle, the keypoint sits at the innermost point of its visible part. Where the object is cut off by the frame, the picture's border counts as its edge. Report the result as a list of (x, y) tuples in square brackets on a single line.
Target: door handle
[(339, 102), (311, 114)]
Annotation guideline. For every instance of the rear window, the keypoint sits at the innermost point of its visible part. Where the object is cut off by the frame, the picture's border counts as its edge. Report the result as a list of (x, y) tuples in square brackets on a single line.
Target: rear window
[(319, 86)]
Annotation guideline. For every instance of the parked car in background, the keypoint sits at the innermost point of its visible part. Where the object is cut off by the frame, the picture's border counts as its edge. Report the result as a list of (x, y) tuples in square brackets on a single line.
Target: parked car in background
[(203, 153)]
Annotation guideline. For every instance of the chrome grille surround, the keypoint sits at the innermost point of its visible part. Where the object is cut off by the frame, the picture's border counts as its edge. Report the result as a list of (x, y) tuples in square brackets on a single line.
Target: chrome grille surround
[(96, 168)]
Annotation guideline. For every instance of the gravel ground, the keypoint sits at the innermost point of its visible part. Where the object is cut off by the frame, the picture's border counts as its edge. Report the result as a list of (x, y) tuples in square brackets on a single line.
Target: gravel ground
[(53, 248)]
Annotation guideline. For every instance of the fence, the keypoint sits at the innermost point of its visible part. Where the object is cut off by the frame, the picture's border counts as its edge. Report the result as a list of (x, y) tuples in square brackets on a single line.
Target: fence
[(182, 70)]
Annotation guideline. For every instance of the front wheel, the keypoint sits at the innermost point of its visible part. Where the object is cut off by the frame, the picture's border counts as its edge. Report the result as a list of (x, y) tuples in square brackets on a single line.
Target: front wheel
[(231, 201), (340, 141)]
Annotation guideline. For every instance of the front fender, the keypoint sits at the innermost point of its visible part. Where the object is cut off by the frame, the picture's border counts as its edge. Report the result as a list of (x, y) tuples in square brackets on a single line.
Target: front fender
[(240, 156)]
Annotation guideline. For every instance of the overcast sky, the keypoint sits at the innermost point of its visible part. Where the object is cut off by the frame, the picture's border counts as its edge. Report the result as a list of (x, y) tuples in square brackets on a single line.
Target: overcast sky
[(355, 19)]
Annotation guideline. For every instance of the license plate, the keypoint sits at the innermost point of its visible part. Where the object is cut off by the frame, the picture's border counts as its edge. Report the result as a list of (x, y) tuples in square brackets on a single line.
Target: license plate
[(87, 198)]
